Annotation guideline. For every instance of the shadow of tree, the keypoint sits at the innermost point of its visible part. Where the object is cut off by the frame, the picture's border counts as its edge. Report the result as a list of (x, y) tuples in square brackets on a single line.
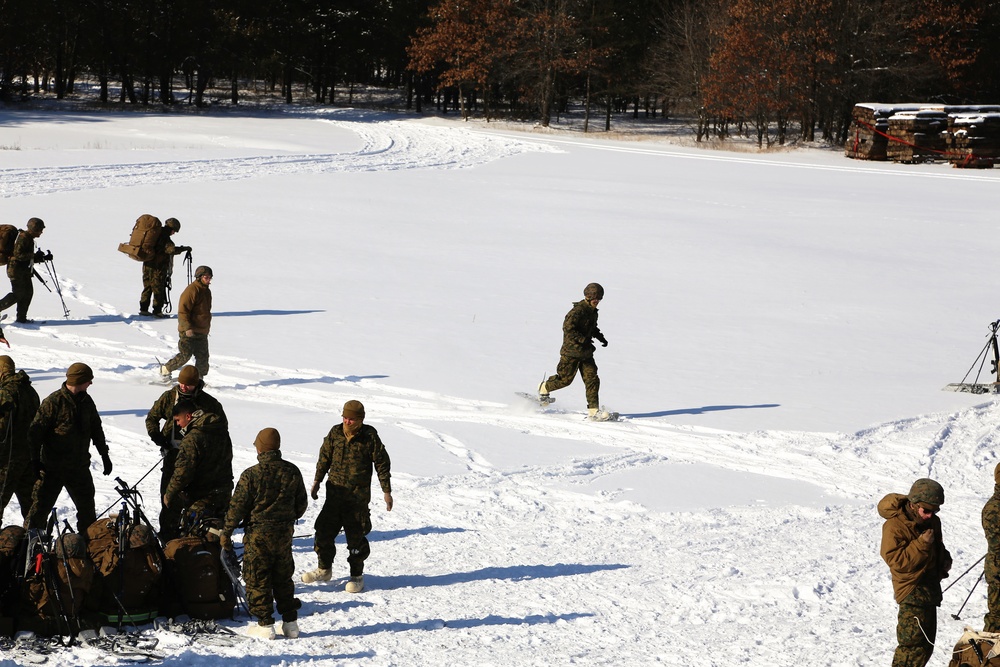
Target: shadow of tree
[(464, 623), (698, 411)]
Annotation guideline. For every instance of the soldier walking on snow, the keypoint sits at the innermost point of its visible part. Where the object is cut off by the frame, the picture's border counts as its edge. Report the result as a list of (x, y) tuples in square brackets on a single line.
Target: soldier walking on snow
[(20, 269), (194, 321), (991, 525), (913, 549), (18, 405), (66, 423), (156, 271), (577, 352), (190, 387), (268, 499), (347, 456)]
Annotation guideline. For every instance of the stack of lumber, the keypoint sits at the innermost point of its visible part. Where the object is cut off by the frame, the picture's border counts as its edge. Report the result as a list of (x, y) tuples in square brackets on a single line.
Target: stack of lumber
[(916, 136), (974, 139)]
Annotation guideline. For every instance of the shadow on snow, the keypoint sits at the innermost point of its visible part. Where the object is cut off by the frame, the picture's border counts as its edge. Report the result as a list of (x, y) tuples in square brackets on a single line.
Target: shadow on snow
[(698, 411)]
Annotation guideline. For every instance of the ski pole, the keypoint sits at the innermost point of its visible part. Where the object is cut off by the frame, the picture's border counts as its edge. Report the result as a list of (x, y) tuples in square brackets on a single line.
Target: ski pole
[(51, 268), (956, 615), (964, 573), (119, 480)]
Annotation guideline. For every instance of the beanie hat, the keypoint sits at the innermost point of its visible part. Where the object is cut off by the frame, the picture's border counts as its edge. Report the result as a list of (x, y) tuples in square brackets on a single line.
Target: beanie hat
[(268, 440), (593, 291), (203, 270), (354, 410), (928, 492), (6, 365), (79, 373), (996, 471), (189, 375)]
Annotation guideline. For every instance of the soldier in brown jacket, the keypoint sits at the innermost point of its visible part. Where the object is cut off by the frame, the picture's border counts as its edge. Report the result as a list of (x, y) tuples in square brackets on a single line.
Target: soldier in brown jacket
[(194, 321), (913, 549)]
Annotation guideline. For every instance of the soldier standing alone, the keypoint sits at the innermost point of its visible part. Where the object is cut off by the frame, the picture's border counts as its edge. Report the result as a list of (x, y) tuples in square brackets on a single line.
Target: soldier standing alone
[(194, 321), (268, 499), (348, 454), (577, 352), (913, 549), (156, 271)]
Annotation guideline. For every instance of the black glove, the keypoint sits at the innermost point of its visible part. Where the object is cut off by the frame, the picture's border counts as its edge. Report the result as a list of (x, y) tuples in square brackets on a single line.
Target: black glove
[(107, 463), (48, 256), (39, 256), (159, 440), (604, 341), (183, 248)]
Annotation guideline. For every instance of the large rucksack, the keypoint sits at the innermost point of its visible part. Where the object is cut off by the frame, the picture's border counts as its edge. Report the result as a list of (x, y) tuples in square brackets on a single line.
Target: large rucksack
[(56, 589), (12, 548), (129, 574), (976, 649), (201, 587), (141, 245), (8, 234)]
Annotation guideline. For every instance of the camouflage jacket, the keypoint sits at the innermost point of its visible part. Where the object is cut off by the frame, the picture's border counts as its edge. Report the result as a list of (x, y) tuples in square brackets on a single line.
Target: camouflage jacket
[(912, 562), (204, 463), (163, 410), (22, 257), (579, 330), (194, 308), (350, 464), (163, 253), (269, 494), (63, 428), (18, 406), (991, 526)]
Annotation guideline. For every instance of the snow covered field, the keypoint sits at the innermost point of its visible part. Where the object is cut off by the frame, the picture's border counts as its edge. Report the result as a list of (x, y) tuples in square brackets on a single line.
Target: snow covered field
[(780, 326)]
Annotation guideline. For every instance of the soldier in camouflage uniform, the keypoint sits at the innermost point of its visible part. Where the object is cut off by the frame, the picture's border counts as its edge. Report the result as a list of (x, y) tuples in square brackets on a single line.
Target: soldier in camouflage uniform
[(18, 405), (913, 549), (20, 267), (168, 436), (60, 435), (991, 525), (268, 499), (348, 454), (194, 321), (577, 352), (156, 271), (202, 481)]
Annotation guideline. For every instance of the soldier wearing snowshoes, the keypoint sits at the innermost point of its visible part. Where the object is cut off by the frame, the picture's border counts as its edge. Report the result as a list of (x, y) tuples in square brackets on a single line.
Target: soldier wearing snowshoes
[(156, 271), (202, 481), (18, 405), (167, 435), (991, 526), (577, 352), (66, 423), (268, 499), (20, 269), (913, 548), (194, 321), (349, 453)]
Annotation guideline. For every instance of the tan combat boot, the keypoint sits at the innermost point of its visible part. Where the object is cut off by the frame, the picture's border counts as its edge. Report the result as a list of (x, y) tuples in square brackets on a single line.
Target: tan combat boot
[(319, 574), (356, 584)]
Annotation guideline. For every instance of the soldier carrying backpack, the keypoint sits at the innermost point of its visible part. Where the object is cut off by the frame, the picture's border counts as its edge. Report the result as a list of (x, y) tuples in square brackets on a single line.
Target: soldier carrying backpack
[(150, 244), (20, 268)]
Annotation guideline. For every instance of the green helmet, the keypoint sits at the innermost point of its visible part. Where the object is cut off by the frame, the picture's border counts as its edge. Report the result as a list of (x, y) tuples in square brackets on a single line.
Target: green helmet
[(926, 491), (203, 271), (593, 291), (35, 226), (173, 224)]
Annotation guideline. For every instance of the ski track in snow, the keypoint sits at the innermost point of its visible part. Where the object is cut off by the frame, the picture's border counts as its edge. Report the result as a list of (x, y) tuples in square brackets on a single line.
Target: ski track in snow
[(483, 563), (388, 145)]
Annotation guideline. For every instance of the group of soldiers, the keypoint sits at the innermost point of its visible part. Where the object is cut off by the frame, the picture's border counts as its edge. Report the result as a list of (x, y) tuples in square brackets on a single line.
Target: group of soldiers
[(913, 548), (45, 448)]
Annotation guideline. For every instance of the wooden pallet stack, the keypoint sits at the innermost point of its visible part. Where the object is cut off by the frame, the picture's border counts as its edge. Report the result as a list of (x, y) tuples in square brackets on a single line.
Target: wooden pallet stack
[(974, 139), (917, 136), (871, 123)]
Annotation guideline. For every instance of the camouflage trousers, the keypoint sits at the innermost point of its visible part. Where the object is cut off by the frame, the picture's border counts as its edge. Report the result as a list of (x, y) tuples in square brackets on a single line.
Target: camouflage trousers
[(991, 622), (80, 487), (340, 513), (267, 571), (191, 346), (154, 286), (916, 628), (18, 479), (170, 519), (566, 372), (21, 293)]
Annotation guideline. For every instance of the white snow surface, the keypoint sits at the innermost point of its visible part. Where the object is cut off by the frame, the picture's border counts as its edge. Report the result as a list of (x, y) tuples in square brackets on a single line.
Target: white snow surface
[(780, 327)]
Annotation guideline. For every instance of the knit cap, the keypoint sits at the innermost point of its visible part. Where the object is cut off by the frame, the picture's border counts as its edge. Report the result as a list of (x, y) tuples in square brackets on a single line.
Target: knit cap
[(79, 373), (354, 410), (268, 440)]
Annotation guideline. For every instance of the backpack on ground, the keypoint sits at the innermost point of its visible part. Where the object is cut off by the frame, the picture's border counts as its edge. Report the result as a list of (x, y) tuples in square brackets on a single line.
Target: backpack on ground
[(55, 596), (128, 569), (201, 586), (8, 234), (141, 245), (976, 649), (12, 548)]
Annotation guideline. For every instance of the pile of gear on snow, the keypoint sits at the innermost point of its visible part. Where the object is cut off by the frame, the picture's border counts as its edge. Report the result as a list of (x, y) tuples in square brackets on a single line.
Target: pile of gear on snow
[(66, 587)]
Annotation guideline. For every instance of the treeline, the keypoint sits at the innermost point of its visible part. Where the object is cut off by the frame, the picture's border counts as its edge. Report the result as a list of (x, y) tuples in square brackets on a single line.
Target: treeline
[(767, 67)]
